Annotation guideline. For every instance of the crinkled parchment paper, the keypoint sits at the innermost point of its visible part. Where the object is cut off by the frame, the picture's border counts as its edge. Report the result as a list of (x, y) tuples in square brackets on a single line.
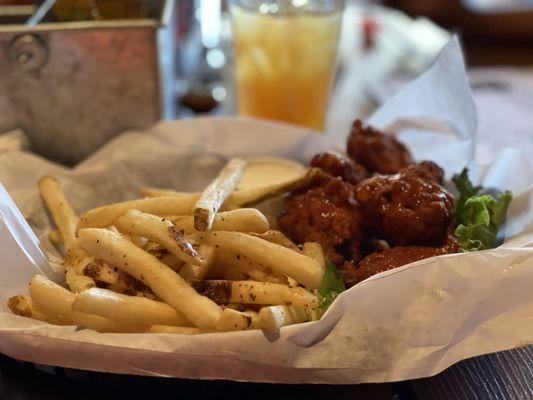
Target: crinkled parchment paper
[(406, 323)]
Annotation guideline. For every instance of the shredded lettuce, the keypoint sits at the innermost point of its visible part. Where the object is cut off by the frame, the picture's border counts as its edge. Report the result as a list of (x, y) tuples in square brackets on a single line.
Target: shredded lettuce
[(332, 285), (479, 216)]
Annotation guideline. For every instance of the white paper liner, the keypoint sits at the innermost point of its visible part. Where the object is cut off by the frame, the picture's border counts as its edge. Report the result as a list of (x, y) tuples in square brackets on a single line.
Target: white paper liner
[(406, 323)]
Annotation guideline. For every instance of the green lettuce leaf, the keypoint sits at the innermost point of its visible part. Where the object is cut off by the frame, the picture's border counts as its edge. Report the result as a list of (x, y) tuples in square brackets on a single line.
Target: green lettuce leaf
[(332, 285), (466, 190), (479, 216)]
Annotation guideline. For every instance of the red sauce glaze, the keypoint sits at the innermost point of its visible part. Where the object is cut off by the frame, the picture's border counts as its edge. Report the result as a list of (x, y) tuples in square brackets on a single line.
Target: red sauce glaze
[(376, 151), (346, 211), (426, 170), (325, 213), (404, 209), (339, 165), (401, 255)]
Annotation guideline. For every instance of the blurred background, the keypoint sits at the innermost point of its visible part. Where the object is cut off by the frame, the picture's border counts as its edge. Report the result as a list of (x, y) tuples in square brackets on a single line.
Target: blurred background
[(74, 73)]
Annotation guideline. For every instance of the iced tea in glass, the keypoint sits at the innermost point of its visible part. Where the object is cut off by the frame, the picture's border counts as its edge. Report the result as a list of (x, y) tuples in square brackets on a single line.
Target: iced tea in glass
[(286, 54)]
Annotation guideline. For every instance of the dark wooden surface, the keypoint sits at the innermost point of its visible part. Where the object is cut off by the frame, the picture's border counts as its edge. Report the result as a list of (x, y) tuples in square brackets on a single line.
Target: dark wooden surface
[(502, 376), (22, 381), (507, 375)]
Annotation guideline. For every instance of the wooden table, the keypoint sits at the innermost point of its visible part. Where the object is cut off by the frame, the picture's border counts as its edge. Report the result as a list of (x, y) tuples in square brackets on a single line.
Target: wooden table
[(501, 376)]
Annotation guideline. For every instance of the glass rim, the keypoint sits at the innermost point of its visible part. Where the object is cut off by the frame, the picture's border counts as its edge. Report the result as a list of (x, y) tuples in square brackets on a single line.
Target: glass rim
[(332, 6)]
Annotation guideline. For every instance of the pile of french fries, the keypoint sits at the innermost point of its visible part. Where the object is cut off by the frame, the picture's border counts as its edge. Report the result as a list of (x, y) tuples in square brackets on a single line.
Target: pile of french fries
[(174, 262)]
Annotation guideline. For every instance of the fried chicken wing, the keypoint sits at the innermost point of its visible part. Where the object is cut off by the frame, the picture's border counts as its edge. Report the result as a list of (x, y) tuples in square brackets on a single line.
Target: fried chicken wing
[(405, 209), (426, 170), (376, 151), (341, 166), (401, 255), (325, 213)]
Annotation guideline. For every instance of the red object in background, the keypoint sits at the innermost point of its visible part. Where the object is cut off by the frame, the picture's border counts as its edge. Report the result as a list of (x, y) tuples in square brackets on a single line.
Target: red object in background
[(370, 27)]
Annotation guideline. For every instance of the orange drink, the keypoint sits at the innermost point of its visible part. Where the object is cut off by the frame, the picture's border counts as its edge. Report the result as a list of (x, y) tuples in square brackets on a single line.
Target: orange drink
[(286, 59)]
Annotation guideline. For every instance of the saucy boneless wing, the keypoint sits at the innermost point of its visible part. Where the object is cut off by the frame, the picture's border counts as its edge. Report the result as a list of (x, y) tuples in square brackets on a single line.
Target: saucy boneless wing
[(368, 224)]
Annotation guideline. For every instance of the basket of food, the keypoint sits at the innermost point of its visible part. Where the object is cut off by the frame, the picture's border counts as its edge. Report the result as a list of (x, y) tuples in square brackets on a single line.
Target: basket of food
[(256, 251)]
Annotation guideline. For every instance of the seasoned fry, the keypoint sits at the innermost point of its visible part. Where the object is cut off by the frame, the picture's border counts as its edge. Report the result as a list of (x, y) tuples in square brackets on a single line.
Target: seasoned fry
[(281, 259), (241, 220), (128, 291), (161, 231), (60, 209), (192, 271), (25, 307), (277, 237), (314, 250), (104, 216), (256, 321), (232, 274), (244, 197), (75, 261), (138, 241), (182, 330), (233, 320), (141, 310), (254, 269), (250, 292), (65, 220), (174, 262), (147, 191), (119, 279), (216, 193), (274, 317), (165, 283), (55, 237), (59, 300), (101, 272)]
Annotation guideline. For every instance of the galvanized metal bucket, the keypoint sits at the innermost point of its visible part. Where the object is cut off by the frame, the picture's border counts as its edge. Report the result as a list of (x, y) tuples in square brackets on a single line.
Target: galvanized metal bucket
[(71, 86)]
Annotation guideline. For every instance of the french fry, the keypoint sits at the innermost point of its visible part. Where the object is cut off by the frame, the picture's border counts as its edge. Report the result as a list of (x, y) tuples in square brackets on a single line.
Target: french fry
[(140, 310), (101, 272), (244, 197), (128, 291), (233, 320), (25, 307), (232, 274), (314, 250), (55, 237), (161, 231), (138, 241), (281, 259), (216, 193), (119, 279), (60, 209), (254, 269), (192, 271), (240, 220), (104, 216), (182, 330), (256, 321), (277, 237), (251, 292), (165, 283), (75, 261), (274, 317), (148, 191), (65, 220), (174, 262), (59, 300)]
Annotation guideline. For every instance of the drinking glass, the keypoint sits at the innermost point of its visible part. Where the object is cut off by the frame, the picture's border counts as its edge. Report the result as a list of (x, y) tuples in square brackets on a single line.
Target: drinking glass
[(286, 53)]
